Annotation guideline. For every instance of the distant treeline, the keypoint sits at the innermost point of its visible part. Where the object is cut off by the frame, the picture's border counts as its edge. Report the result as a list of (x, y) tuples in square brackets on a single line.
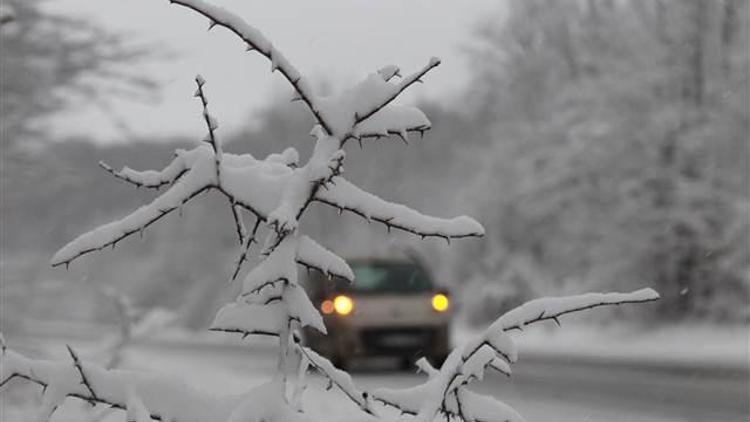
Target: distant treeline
[(603, 144)]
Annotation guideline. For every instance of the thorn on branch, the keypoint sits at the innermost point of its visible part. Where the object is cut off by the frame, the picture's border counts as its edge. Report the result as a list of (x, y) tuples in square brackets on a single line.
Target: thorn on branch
[(84, 381)]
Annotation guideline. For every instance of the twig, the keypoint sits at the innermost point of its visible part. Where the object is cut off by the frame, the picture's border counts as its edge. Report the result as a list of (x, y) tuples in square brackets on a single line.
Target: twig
[(256, 41), (249, 240), (84, 380), (212, 125)]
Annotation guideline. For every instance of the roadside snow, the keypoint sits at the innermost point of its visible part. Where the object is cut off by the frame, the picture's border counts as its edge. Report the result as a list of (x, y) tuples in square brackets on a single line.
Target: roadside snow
[(681, 345)]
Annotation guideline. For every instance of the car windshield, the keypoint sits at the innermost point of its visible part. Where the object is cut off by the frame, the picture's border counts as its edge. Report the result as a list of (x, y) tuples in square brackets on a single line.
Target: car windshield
[(374, 277)]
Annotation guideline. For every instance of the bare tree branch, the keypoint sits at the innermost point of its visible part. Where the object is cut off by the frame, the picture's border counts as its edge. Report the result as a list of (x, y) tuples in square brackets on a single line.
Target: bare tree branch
[(255, 40), (405, 83), (211, 125), (151, 179), (84, 379)]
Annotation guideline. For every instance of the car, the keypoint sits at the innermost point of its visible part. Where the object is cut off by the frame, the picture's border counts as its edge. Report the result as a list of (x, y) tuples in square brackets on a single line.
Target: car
[(393, 308)]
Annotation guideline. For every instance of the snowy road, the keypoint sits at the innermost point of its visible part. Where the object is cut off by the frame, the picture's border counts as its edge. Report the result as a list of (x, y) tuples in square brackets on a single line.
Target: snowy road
[(542, 389)]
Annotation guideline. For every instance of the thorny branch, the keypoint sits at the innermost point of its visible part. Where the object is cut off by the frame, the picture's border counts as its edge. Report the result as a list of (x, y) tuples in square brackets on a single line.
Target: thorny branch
[(248, 242), (401, 87), (361, 400), (138, 183), (211, 125), (257, 42), (238, 222), (84, 380)]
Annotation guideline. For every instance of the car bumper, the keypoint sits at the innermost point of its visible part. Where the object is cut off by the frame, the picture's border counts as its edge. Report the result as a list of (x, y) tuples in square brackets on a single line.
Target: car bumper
[(346, 341)]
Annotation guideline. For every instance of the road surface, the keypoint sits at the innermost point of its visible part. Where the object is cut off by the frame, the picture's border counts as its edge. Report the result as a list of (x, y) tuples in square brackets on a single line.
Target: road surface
[(543, 388)]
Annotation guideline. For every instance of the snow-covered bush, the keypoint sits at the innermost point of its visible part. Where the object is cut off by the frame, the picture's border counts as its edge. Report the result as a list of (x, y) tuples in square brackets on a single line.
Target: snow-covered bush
[(275, 192)]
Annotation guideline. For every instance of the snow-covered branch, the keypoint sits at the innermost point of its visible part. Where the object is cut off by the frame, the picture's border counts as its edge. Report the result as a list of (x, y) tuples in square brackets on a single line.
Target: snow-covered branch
[(247, 243), (382, 97), (211, 126), (550, 308), (445, 390), (345, 196), (256, 41), (393, 120), (336, 377), (166, 398), (314, 256), (150, 178), (199, 178)]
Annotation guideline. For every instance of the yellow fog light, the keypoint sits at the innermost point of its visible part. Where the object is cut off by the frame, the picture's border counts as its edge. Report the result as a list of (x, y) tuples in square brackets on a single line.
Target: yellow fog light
[(343, 305), (440, 302)]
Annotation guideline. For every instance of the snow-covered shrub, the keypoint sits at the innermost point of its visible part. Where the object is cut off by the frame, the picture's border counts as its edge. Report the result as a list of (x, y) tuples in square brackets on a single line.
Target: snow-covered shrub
[(276, 191)]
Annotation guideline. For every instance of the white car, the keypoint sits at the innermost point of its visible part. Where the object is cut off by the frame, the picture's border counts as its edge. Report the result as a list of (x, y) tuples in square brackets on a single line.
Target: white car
[(392, 309)]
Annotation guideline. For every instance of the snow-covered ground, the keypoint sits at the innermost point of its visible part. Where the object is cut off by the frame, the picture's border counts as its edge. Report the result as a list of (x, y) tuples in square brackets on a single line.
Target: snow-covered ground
[(726, 346), (571, 384)]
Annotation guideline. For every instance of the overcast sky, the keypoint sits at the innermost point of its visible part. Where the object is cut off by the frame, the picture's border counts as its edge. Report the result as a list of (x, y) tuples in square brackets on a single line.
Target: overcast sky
[(337, 41)]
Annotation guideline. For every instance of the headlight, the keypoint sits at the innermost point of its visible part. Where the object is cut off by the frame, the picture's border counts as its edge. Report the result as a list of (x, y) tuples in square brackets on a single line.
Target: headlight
[(343, 305), (327, 307), (440, 302)]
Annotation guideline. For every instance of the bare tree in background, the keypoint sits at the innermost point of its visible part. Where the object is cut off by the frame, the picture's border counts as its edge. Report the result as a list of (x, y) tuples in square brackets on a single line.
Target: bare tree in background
[(50, 61)]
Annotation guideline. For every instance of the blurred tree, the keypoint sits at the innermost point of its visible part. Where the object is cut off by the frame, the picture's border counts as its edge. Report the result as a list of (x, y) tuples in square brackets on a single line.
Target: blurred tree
[(621, 145), (49, 61)]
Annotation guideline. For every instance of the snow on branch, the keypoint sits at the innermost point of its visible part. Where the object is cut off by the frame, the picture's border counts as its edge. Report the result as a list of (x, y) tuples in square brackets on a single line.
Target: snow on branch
[(393, 120), (463, 404), (339, 115), (256, 41), (198, 179), (165, 398), (247, 242), (245, 319), (349, 111), (445, 390), (550, 308), (345, 196), (239, 223), (272, 177), (278, 266), (314, 256), (383, 96), (336, 377), (211, 125), (150, 178), (325, 164)]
